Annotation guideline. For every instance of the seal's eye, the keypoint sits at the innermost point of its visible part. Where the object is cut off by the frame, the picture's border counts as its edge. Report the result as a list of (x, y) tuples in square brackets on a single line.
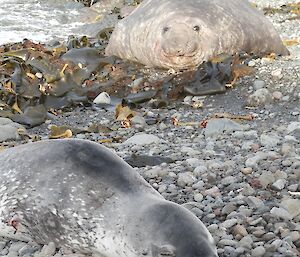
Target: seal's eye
[(196, 28), (165, 29)]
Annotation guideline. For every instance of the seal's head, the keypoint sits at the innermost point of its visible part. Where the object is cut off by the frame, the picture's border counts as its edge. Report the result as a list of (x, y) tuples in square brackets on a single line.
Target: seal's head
[(180, 40), (179, 43), (169, 229)]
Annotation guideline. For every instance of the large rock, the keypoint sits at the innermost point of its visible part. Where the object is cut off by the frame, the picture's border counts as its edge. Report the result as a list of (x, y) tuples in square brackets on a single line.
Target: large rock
[(9, 129)]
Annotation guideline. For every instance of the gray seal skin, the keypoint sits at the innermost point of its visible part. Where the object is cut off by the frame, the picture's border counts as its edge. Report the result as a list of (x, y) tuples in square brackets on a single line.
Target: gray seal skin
[(183, 34), (80, 195)]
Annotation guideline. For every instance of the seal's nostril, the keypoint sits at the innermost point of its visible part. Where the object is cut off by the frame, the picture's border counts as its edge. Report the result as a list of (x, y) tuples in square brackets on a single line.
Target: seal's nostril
[(165, 29), (196, 28), (180, 52)]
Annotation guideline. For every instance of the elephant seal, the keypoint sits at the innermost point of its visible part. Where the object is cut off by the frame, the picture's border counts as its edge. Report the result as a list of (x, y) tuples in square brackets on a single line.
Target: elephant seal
[(183, 34), (80, 195)]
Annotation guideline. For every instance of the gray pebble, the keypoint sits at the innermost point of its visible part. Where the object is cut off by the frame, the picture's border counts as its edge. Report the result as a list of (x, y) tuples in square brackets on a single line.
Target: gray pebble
[(279, 184), (258, 251)]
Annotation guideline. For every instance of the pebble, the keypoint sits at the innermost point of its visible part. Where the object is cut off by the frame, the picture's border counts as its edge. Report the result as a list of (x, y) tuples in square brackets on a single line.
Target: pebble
[(9, 130), (246, 242), (247, 170), (217, 127), (295, 236), (292, 206), (214, 191), (143, 139), (279, 184), (266, 178), (199, 170), (102, 98), (258, 84), (47, 250), (227, 242), (292, 127), (240, 230), (269, 140), (277, 95), (185, 179), (229, 208), (195, 162), (229, 223), (254, 202), (259, 98), (277, 73), (258, 251), (251, 63), (253, 162), (229, 180), (198, 197), (281, 213)]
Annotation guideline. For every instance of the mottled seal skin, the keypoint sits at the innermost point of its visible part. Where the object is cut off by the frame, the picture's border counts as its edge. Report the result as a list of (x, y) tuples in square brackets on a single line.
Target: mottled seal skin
[(182, 34), (80, 195)]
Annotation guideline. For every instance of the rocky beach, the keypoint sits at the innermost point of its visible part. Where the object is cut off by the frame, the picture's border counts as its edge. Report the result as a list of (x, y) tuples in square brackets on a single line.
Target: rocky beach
[(233, 159)]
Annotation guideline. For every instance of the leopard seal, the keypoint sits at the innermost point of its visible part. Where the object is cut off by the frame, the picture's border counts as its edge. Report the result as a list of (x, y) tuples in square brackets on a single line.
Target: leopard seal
[(80, 195), (183, 34)]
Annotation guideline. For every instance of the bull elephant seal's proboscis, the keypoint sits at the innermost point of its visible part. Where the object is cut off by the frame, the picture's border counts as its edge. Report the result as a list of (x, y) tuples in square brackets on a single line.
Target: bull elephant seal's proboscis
[(182, 34), (80, 195)]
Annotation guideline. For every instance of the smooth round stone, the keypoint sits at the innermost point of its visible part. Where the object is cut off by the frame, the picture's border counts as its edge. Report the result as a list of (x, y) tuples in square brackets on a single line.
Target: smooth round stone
[(229, 223), (162, 188), (81, 136), (197, 212), (198, 197), (269, 140), (285, 252), (185, 179), (269, 236), (258, 251), (259, 232), (229, 180), (277, 73), (286, 98), (247, 170), (199, 170), (240, 230), (295, 236), (258, 84), (286, 163), (229, 208), (259, 97), (246, 242), (212, 228), (230, 251), (279, 184), (251, 64), (15, 247), (27, 250), (276, 243), (227, 242), (277, 95)]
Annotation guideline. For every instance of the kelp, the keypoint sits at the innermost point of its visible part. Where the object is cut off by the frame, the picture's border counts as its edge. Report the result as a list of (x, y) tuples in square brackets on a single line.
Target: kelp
[(36, 79)]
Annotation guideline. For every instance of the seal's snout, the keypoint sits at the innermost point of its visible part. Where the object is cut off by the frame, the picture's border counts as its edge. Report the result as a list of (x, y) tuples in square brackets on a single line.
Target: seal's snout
[(181, 234), (179, 40)]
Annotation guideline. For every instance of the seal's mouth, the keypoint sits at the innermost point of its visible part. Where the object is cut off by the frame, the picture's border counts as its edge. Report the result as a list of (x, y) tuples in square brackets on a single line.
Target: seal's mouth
[(179, 55), (181, 62), (178, 60)]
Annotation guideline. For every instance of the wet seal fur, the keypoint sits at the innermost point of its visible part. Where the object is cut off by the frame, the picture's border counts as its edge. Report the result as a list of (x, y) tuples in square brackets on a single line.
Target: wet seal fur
[(183, 34), (80, 195)]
